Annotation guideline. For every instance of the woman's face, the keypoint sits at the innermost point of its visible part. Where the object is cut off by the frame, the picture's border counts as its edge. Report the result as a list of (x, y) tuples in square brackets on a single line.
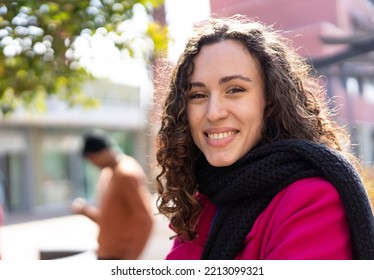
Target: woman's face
[(226, 102)]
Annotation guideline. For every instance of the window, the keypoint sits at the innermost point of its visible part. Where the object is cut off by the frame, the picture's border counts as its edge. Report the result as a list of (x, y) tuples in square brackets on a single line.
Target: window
[(353, 86), (368, 90)]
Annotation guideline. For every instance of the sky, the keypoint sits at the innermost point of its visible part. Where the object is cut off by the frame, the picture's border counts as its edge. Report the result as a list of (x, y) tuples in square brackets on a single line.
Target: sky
[(99, 54), (181, 15)]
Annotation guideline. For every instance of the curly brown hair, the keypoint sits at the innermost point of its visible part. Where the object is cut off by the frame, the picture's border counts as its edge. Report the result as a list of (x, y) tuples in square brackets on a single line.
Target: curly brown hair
[(297, 109)]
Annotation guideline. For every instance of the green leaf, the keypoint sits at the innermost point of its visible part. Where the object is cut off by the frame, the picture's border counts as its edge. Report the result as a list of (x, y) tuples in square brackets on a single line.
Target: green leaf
[(29, 75)]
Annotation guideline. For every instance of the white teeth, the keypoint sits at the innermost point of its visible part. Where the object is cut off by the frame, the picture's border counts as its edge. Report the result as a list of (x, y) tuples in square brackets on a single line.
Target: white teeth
[(222, 135)]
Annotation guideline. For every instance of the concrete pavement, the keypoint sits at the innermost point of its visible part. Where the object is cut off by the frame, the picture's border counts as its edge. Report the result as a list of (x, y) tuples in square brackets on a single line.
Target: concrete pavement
[(25, 241)]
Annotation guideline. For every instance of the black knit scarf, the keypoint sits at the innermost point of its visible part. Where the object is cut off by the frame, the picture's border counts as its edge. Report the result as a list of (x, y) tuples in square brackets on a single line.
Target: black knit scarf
[(243, 190)]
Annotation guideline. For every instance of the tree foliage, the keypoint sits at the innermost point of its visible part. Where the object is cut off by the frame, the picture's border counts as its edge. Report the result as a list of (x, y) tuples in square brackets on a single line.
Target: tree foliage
[(37, 57)]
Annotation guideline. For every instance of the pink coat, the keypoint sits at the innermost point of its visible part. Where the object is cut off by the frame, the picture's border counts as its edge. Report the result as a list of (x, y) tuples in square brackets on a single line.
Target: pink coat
[(305, 221)]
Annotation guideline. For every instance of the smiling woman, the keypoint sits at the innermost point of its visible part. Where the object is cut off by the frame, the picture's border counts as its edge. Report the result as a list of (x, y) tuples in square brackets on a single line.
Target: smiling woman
[(252, 165)]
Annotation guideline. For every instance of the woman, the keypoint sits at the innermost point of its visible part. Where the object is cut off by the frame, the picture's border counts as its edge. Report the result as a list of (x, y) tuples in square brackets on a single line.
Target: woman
[(252, 165)]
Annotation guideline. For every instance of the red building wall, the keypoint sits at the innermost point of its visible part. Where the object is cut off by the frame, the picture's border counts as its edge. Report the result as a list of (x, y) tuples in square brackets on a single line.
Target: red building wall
[(306, 20)]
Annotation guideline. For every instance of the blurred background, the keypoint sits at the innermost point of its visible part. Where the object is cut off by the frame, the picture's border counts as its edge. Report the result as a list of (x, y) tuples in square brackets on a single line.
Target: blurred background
[(67, 66)]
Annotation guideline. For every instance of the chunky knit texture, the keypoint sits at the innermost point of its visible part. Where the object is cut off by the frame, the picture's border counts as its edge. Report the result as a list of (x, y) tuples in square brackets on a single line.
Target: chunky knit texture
[(243, 190)]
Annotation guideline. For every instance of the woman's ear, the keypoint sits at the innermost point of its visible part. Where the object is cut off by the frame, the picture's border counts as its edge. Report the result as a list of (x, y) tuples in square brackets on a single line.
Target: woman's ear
[(269, 108)]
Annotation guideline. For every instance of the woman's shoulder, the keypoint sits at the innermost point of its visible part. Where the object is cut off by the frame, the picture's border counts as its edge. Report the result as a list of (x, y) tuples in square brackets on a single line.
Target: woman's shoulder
[(313, 194), (309, 190), (314, 183), (308, 209)]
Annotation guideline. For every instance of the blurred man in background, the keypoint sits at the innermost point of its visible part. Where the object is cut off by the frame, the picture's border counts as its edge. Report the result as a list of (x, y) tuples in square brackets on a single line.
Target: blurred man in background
[(123, 212)]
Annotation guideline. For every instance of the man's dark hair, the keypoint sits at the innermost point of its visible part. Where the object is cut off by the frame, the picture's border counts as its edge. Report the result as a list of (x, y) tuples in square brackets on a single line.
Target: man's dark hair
[(95, 141)]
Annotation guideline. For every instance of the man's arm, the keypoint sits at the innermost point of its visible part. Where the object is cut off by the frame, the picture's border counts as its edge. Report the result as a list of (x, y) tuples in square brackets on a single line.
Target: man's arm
[(80, 206)]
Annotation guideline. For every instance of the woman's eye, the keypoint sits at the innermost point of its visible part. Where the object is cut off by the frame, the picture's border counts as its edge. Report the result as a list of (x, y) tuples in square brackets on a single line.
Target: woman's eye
[(235, 90), (196, 95)]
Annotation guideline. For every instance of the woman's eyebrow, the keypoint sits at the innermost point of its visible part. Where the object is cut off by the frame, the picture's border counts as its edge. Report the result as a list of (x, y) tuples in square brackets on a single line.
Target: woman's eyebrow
[(197, 84), (234, 77), (223, 80)]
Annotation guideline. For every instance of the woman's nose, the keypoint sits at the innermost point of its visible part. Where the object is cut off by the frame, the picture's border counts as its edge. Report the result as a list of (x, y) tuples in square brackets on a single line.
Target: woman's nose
[(216, 108)]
